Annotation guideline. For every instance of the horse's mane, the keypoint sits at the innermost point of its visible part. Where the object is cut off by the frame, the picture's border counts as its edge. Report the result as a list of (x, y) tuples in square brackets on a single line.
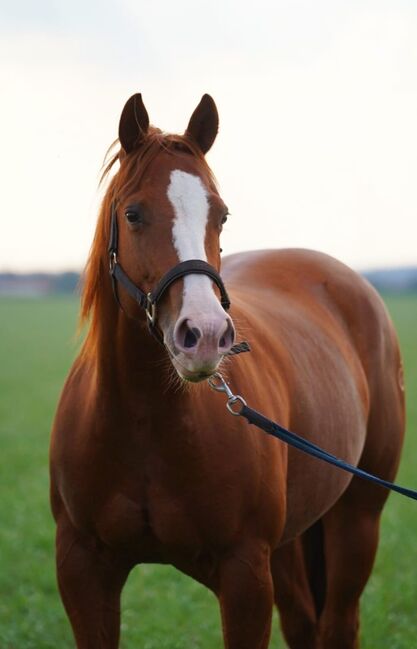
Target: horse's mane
[(128, 177)]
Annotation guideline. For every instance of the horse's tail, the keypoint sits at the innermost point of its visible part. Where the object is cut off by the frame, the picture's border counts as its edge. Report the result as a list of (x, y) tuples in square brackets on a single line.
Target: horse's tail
[(313, 546)]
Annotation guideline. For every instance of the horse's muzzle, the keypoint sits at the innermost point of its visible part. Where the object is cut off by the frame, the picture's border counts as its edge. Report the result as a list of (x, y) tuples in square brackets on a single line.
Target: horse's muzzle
[(200, 342)]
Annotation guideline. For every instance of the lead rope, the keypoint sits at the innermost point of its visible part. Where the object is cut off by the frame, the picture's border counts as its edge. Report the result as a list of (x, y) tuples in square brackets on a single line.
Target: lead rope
[(238, 407)]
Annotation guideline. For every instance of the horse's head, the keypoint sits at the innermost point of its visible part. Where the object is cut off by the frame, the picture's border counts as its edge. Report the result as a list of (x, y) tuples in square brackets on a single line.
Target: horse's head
[(168, 211)]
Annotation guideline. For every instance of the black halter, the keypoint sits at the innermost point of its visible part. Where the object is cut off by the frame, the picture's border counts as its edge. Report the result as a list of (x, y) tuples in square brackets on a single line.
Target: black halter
[(149, 301)]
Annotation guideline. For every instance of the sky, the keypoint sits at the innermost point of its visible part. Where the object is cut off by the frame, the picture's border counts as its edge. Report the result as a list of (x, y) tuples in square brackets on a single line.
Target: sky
[(317, 145)]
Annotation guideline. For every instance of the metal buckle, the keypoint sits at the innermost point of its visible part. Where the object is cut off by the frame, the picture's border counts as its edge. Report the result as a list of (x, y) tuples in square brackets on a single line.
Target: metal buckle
[(112, 261), (150, 309), (217, 383)]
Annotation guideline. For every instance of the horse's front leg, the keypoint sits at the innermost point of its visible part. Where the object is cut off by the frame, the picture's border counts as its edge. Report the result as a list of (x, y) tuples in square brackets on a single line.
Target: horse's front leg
[(90, 580), (246, 596)]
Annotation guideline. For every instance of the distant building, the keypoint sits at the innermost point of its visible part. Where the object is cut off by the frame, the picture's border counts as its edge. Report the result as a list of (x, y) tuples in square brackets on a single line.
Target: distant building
[(38, 284), (395, 280)]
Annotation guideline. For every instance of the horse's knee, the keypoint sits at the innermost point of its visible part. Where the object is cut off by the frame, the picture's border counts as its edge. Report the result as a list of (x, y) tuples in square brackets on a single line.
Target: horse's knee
[(293, 596), (301, 635), (342, 633)]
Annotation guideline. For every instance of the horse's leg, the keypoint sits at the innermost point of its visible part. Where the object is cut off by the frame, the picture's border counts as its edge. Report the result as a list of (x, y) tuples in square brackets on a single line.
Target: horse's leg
[(351, 527), (293, 596), (90, 581), (246, 596), (351, 540)]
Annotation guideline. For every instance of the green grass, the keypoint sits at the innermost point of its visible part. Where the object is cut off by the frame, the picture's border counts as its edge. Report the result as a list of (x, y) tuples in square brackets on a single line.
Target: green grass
[(161, 608), (389, 602)]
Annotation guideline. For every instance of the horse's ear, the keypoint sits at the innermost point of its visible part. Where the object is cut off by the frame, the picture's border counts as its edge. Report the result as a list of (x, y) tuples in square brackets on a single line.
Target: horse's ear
[(204, 123), (134, 123)]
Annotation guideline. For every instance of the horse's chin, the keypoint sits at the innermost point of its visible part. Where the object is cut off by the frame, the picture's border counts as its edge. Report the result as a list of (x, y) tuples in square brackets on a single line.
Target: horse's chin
[(195, 377), (196, 373)]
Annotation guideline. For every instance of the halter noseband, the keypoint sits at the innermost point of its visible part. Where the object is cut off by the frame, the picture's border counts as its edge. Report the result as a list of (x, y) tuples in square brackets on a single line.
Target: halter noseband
[(149, 301)]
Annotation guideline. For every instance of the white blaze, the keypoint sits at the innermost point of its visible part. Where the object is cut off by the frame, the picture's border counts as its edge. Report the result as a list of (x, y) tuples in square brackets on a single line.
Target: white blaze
[(189, 199)]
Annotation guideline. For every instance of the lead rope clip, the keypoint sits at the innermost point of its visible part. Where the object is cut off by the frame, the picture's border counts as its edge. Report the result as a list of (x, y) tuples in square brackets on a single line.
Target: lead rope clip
[(217, 383)]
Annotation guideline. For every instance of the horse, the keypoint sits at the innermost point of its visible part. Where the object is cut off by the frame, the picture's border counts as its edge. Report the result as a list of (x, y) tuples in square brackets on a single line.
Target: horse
[(147, 465)]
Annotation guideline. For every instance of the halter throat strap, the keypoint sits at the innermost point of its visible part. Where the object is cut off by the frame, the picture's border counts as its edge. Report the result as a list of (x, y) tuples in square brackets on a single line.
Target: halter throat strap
[(149, 301)]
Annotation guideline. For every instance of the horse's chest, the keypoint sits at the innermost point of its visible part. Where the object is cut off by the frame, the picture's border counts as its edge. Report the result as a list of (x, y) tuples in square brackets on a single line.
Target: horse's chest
[(153, 518), (155, 499), (145, 527)]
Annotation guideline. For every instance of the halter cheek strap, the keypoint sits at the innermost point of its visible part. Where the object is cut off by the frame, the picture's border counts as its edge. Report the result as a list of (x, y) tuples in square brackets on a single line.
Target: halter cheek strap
[(149, 301)]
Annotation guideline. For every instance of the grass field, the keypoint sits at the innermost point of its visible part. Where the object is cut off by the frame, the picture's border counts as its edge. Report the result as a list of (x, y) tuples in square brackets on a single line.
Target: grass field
[(161, 608)]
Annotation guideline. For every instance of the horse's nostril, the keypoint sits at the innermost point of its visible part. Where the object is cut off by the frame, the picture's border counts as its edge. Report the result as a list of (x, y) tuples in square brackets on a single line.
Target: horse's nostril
[(196, 332), (228, 337), (207, 337), (191, 338)]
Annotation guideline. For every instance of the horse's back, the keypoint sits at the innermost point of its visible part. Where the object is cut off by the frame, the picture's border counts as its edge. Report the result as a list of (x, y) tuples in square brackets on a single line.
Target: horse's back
[(315, 285), (300, 294), (293, 273)]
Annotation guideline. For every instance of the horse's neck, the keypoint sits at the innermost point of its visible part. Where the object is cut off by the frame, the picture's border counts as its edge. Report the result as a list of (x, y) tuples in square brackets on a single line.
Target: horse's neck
[(128, 357)]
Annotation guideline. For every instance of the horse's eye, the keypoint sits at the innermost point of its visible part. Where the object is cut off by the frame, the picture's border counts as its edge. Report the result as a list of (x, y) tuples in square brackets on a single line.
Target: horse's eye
[(132, 214), (224, 218)]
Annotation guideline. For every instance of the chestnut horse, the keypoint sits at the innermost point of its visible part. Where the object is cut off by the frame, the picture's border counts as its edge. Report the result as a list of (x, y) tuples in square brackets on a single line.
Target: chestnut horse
[(147, 465)]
